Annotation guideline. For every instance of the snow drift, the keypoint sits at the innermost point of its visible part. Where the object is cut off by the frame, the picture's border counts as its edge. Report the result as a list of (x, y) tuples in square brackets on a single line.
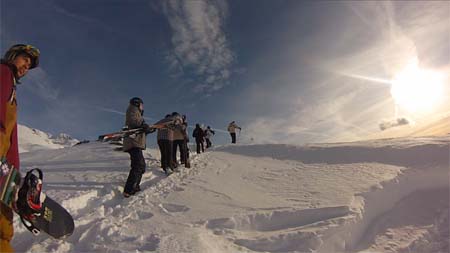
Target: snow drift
[(375, 196)]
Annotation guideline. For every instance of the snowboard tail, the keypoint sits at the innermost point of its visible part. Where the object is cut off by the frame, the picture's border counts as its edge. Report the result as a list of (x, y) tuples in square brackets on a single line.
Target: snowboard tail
[(52, 219)]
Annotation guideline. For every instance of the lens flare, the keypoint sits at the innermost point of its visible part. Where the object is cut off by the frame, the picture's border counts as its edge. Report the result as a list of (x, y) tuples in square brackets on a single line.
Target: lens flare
[(417, 90)]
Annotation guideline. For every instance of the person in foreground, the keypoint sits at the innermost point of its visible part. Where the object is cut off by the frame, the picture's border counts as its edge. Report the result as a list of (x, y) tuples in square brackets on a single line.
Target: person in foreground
[(15, 64)]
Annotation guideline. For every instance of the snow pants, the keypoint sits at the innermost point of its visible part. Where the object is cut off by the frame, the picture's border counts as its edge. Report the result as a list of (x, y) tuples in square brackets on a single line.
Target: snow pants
[(137, 169), (166, 149), (181, 144), (208, 143), (233, 137), (200, 146), (6, 228)]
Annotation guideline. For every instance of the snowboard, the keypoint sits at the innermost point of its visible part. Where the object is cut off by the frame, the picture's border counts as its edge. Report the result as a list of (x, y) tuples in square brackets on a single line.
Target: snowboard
[(39, 214), (52, 219)]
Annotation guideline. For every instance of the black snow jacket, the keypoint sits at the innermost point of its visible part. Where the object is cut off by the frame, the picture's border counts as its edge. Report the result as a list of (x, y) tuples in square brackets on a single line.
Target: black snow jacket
[(198, 134)]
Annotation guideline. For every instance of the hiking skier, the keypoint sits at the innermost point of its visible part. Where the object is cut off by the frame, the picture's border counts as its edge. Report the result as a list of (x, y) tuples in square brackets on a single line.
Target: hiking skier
[(232, 130), (15, 64), (134, 144), (166, 147), (178, 139), (185, 159), (208, 135), (199, 136)]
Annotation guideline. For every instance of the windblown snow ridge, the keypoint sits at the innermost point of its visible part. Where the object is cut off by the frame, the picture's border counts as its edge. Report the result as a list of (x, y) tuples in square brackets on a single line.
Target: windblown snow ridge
[(408, 152), (407, 206)]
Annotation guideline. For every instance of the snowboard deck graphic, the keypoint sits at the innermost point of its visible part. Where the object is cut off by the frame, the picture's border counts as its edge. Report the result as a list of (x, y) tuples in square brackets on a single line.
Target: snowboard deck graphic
[(53, 219)]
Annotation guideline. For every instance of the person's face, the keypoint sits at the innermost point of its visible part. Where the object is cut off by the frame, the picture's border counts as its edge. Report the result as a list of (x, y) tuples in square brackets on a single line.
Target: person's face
[(141, 106), (22, 63)]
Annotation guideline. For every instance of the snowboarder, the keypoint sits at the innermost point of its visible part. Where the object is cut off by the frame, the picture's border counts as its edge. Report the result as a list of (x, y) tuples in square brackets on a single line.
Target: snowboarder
[(134, 144), (208, 134), (199, 136), (232, 130), (16, 63), (165, 147)]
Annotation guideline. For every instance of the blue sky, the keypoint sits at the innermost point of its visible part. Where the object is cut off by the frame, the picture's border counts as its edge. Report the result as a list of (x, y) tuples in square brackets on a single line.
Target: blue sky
[(286, 71)]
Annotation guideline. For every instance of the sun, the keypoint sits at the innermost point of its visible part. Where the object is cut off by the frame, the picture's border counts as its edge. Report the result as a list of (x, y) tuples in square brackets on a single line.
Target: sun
[(417, 90)]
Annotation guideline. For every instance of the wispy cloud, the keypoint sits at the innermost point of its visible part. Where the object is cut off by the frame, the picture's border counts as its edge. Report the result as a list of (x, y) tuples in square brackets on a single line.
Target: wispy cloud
[(37, 81), (117, 112), (109, 110), (56, 6), (200, 45)]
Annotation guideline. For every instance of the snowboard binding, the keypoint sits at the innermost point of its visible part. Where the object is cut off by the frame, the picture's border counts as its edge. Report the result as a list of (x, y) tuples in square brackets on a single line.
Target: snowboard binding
[(29, 202)]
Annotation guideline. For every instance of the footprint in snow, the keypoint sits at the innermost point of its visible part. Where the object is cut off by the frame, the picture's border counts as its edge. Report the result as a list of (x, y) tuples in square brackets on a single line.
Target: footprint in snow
[(173, 208)]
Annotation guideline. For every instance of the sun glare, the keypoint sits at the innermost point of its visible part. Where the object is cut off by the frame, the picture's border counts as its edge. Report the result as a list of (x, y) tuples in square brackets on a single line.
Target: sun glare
[(417, 90)]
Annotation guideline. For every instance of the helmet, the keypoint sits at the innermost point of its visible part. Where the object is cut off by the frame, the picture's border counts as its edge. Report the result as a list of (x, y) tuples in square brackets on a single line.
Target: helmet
[(136, 101), (18, 49)]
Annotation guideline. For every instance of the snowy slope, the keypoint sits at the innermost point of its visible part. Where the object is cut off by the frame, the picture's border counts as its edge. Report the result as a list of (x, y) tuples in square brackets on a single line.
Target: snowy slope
[(379, 196), (31, 139)]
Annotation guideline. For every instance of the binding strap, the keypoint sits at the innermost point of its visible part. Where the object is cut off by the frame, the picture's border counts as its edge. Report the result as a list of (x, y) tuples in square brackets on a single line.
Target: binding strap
[(30, 226)]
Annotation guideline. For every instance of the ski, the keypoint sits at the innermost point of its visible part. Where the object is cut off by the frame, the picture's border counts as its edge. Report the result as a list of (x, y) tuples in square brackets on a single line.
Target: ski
[(129, 132)]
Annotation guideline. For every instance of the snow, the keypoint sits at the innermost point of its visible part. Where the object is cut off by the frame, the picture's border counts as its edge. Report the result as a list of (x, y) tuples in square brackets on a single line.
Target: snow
[(31, 139), (387, 195)]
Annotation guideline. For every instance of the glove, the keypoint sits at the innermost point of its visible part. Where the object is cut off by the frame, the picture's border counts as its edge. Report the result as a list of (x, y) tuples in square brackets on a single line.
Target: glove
[(148, 129)]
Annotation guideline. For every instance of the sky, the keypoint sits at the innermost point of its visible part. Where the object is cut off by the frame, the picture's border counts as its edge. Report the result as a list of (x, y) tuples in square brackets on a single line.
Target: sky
[(286, 71)]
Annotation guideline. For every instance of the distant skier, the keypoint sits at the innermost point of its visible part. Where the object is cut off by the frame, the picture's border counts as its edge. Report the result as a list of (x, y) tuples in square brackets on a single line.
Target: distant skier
[(199, 136), (16, 63), (134, 144), (232, 130), (208, 135), (186, 141)]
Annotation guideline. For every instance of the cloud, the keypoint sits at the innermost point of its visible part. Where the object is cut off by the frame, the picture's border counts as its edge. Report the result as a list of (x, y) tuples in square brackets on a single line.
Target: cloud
[(389, 124), (37, 81), (56, 6), (200, 45), (117, 112)]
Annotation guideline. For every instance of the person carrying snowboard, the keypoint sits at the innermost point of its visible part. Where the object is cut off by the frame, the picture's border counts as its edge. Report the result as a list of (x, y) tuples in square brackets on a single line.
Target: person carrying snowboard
[(199, 136), (208, 135), (134, 144), (15, 64), (232, 130)]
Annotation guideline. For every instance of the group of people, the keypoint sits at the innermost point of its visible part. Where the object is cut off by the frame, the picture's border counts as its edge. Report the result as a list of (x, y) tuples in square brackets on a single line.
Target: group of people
[(171, 132), (201, 136), (171, 136)]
